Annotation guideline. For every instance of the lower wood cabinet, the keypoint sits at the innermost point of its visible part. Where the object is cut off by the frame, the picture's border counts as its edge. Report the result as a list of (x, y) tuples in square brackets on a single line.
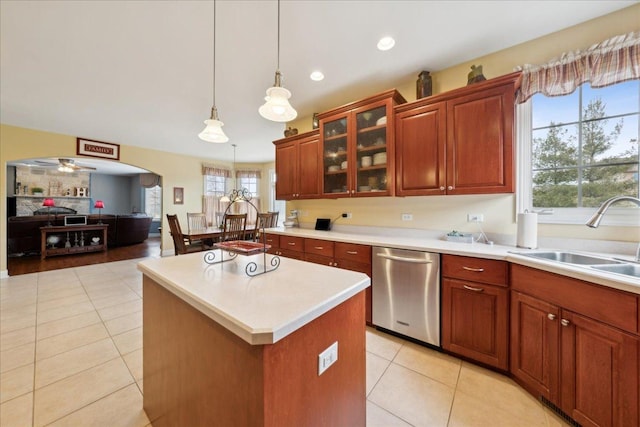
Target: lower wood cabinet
[(586, 367), (349, 256), (291, 247), (474, 312), (474, 321)]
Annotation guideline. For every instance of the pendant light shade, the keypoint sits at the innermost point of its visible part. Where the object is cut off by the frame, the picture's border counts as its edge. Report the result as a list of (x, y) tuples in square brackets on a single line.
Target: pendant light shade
[(213, 131), (277, 107)]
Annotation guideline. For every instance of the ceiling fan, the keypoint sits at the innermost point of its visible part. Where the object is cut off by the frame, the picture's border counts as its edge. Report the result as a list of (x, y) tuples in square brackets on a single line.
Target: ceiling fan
[(66, 165)]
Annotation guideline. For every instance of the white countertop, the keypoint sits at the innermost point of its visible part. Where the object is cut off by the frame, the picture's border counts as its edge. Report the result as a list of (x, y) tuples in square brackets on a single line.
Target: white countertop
[(261, 309), (432, 243)]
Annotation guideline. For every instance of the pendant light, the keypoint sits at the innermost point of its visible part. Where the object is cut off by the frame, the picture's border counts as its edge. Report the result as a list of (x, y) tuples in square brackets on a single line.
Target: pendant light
[(237, 194), (213, 131), (277, 107)]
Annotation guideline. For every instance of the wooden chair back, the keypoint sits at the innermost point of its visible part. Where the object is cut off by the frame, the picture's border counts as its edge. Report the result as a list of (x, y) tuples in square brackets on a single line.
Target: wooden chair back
[(235, 226), (265, 220), (196, 221), (176, 233)]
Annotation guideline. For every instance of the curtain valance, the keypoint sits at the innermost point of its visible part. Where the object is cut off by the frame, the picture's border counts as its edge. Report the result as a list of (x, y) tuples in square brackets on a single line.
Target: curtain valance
[(150, 180), (248, 173), (215, 171), (613, 61)]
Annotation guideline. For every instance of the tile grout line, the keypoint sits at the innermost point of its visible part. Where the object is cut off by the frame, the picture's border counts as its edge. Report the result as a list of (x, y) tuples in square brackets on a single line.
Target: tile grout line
[(88, 404), (35, 349)]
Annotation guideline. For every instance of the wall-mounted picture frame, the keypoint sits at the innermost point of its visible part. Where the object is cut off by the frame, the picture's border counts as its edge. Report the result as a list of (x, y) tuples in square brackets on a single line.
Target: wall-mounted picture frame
[(178, 195), (101, 149)]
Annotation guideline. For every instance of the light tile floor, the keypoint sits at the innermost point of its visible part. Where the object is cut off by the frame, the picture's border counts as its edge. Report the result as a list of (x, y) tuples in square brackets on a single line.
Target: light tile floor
[(71, 355)]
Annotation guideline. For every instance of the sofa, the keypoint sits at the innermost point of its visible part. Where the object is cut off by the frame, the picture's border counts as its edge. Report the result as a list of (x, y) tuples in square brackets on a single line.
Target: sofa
[(23, 232)]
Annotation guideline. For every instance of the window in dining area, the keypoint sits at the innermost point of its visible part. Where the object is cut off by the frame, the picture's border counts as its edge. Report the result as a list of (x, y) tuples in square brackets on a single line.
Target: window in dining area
[(215, 187)]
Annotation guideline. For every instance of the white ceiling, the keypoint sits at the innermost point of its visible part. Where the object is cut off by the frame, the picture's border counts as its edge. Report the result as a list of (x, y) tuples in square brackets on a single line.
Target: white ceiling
[(140, 72)]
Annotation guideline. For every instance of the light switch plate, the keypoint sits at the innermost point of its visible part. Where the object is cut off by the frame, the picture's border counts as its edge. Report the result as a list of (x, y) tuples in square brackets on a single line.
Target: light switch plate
[(327, 358)]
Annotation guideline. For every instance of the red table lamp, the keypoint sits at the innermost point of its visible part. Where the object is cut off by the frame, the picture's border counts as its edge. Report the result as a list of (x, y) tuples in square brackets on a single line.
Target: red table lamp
[(48, 203), (99, 205)]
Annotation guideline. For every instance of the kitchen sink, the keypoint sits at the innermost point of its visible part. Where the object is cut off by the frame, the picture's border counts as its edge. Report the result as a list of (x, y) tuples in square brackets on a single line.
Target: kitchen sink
[(570, 258), (626, 269)]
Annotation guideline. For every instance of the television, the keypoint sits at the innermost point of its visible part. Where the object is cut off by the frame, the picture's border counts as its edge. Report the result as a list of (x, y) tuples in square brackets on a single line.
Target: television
[(75, 220)]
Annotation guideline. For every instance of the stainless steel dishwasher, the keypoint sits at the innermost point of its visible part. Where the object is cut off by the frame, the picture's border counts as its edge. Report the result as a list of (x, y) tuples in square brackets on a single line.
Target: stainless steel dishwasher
[(406, 293)]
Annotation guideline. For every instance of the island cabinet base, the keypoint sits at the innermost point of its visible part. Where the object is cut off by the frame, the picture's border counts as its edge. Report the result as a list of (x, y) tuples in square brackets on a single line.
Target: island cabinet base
[(197, 373)]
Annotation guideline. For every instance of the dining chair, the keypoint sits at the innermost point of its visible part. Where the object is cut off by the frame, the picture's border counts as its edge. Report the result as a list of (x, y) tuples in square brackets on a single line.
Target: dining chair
[(197, 221), (181, 246), (265, 220), (234, 227)]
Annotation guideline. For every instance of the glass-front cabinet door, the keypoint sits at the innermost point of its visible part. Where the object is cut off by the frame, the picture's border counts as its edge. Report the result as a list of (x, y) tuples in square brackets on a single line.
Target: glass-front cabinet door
[(336, 159), (371, 150), (358, 147)]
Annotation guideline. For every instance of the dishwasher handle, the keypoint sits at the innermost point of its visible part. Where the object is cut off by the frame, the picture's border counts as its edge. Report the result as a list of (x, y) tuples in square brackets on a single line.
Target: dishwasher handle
[(403, 259)]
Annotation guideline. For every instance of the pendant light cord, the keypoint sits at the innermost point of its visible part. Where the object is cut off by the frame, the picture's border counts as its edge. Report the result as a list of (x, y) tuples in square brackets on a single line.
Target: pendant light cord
[(214, 52), (278, 67)]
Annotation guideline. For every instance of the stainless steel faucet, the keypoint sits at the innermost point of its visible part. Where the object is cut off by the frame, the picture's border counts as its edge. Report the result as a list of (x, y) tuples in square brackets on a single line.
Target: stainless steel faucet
[(594, 221)]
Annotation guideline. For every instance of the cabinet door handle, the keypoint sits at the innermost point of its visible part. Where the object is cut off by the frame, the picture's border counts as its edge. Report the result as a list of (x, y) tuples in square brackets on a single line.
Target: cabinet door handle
[(318, 248), (450, 187), (352, 252), (565, 322), (442, 188), (476, 270), (471, 288), (551, 316), (291, 243)]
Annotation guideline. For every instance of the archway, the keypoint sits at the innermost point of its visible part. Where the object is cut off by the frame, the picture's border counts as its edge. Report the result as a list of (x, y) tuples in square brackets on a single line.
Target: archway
[(128, 193)]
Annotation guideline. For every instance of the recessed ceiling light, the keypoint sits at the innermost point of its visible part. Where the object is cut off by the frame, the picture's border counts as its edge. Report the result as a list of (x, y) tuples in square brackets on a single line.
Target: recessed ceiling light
[(317, 76), (386, 43)]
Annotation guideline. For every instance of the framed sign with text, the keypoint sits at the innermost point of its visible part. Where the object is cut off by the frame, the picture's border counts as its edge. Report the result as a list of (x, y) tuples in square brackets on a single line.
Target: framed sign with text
[(104, 150)]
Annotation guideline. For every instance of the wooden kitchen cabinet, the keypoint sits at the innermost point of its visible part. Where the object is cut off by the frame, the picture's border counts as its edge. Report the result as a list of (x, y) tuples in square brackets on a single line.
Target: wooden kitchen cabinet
[(298, 167), (291, 247), (349, 256), (358, 147), (534, 344), (475, 309), (458, 142), (577, 345)]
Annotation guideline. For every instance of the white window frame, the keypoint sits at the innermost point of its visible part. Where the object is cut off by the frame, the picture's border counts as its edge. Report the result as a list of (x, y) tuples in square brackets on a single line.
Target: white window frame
[(215, 193), (251, 184), (275, 205), (147, 191), (623, 217)]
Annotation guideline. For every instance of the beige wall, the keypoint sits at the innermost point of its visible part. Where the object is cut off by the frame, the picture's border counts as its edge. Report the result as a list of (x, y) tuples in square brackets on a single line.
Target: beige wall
[(449, 212), (176, 171), (438, 212)]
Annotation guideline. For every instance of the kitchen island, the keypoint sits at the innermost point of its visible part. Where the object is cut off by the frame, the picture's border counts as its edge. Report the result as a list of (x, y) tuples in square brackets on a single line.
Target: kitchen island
[(223, 348)]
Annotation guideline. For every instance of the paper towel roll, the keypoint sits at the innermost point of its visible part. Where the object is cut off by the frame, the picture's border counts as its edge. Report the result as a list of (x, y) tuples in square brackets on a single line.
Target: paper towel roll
[(527, 230)]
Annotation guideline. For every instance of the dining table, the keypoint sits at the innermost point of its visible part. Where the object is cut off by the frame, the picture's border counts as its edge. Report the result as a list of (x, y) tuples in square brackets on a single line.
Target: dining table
[(204, 233), (214, 233)]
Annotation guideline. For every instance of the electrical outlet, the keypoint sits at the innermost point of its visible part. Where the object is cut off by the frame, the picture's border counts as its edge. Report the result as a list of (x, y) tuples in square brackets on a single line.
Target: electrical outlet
[(327, 358), (346, 215), (475, 218), (407, 217)]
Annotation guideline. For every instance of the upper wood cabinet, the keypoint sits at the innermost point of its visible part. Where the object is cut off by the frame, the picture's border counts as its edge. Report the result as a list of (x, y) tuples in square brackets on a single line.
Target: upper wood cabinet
[(358, 147), (298, 167), (458, 142)]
